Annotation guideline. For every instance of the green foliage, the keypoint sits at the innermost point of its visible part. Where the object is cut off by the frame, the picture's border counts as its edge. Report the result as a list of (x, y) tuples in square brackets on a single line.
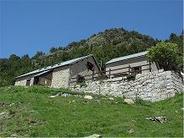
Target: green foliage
[(104, 46), (32, 113), (38, 54), (166, 56), (53, 49), (142, 102)]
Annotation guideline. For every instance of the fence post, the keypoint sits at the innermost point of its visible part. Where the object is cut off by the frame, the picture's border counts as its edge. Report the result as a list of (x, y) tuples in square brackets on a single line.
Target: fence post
[(109, 73), (129, 69), (150, 66)]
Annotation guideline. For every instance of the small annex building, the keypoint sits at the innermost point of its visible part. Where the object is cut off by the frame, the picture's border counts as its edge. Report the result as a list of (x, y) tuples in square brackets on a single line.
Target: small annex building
[(130, 64), (59, 75)]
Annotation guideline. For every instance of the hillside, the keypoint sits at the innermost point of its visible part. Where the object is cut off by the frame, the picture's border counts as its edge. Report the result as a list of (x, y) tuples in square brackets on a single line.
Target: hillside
[(32, 112), (119, 35), (104, 46)]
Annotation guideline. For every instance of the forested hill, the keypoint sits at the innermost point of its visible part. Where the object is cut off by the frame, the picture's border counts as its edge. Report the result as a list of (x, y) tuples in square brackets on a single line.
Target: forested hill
[(104, 46)]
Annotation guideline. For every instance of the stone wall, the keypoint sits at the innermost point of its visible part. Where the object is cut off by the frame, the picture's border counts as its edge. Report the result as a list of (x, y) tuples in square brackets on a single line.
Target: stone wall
[(22, 81), (152, 86), (60, 77)]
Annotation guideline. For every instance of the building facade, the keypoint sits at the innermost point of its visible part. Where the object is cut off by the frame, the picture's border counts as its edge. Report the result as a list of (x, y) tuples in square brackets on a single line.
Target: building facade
[(131, 64), (60, 75)]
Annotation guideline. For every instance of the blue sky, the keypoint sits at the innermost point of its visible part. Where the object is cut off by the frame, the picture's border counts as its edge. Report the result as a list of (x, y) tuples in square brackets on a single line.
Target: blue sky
[(28, 26)]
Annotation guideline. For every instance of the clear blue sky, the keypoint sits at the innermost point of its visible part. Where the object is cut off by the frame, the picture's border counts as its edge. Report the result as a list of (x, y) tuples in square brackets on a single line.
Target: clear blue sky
[(27, 26)]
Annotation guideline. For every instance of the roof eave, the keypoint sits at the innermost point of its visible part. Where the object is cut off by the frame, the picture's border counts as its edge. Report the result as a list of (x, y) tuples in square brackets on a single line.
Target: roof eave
[(110, 62), (21, 76)]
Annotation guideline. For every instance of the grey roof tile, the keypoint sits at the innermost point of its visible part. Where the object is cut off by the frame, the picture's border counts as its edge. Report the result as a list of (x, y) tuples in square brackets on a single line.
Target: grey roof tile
[(127, 57), (54, 66)]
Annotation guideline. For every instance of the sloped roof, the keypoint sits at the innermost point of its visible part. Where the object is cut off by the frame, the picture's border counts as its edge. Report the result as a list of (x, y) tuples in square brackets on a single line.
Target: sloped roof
[(41, 73), (55, 66), (127, 57)]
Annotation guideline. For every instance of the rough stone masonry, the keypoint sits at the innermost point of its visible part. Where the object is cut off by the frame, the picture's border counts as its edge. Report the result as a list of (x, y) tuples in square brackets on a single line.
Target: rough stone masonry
[(152, 86)]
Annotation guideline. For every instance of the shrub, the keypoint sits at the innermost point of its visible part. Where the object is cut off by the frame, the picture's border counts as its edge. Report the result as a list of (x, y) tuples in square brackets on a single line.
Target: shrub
[(166, 55)]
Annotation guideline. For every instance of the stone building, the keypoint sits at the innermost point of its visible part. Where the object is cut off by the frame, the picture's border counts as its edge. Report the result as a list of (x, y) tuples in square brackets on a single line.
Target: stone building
[(60, 75), (135, 63)]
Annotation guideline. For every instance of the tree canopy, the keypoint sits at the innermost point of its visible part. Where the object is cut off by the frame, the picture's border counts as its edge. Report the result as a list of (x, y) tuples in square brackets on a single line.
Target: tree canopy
[(166, 56)]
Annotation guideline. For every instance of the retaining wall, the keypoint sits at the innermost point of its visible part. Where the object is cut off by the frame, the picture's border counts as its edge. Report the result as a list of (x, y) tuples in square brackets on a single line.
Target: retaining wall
[(152, 86)]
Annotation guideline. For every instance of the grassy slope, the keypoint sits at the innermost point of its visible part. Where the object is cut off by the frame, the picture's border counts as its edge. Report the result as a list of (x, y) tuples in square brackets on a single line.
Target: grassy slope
[(35, 114)]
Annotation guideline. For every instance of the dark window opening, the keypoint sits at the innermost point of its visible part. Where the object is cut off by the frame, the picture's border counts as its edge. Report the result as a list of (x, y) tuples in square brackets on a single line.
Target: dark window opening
[(36, 80), (28, 82), (90, 66), (80, 78), (136, 70)]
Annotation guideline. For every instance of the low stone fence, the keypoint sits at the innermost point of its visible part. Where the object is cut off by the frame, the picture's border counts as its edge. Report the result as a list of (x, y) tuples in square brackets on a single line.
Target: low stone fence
[(152, 86)]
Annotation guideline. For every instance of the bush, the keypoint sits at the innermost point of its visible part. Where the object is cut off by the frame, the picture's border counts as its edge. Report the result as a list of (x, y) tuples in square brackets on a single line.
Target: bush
[(166, 55)]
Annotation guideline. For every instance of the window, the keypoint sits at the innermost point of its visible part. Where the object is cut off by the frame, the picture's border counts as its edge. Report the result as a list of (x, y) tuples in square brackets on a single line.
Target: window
[(90, 66), (136, 70), (28, 82), (80, 79), (36, 81)]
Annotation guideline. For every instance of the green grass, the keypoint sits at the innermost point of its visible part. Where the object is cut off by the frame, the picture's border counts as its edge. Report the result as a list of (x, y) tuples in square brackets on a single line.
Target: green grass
[(31, 112)]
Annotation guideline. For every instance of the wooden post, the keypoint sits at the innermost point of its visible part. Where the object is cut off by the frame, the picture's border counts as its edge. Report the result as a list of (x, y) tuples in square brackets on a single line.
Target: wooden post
[(150, 66), (129, 69), (109, 73)]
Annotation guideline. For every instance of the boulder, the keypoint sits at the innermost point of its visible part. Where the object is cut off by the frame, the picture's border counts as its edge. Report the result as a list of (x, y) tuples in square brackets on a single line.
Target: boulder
[(128, 101), (53, 96), (160, 119), (14, 135), (89, 97), (130, 131), (94, 136), (111, 98), (3, 115)]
